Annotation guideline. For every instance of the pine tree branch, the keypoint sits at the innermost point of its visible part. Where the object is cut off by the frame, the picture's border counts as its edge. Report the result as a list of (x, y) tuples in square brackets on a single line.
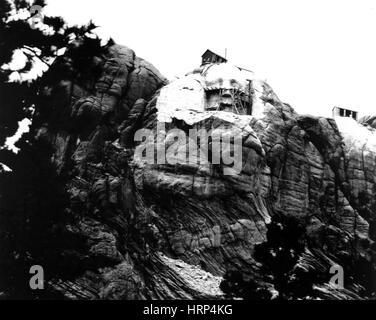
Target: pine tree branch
[(36, 54)]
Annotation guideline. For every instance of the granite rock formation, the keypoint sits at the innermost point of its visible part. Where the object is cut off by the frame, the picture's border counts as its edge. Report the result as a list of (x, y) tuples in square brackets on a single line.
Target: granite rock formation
[(167, 231)]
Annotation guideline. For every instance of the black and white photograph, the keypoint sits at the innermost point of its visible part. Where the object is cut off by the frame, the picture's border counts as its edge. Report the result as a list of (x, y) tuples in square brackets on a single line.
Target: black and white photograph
[(189, 156)]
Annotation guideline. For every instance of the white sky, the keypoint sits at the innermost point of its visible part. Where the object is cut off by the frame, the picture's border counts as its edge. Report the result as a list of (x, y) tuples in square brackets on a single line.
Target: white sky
[(315, 54)]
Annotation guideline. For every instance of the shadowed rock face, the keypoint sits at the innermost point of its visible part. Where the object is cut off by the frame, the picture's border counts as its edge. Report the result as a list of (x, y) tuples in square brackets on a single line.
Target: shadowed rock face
[(171, 231)]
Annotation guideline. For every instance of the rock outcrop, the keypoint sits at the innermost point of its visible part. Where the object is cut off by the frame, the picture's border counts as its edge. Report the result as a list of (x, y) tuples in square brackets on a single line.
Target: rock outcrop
[(167, 231)]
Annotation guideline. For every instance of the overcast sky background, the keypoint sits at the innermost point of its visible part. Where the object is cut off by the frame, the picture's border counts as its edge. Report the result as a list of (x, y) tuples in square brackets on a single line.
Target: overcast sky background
[(315, 54)]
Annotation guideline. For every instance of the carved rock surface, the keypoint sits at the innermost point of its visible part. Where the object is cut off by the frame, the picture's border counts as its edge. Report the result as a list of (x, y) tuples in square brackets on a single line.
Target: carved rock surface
[(171, 231)]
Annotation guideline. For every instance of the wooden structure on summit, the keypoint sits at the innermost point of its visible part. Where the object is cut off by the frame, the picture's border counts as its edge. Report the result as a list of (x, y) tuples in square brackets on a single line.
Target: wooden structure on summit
[(211, 57), (342, 112)]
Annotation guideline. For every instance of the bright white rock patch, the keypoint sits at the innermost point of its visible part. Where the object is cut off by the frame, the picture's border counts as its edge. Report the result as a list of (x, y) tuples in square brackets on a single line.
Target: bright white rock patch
[(356, 135), (186, 98), (194, 276)]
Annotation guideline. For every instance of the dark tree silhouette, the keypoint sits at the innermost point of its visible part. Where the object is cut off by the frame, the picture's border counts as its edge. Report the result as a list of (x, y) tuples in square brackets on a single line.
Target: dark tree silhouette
[(284, 268), (39, 44), (33, 201), (278, 256)]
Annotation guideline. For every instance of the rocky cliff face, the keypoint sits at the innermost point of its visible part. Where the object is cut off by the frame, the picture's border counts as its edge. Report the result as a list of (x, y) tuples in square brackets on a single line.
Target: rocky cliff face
[(172, 230)]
